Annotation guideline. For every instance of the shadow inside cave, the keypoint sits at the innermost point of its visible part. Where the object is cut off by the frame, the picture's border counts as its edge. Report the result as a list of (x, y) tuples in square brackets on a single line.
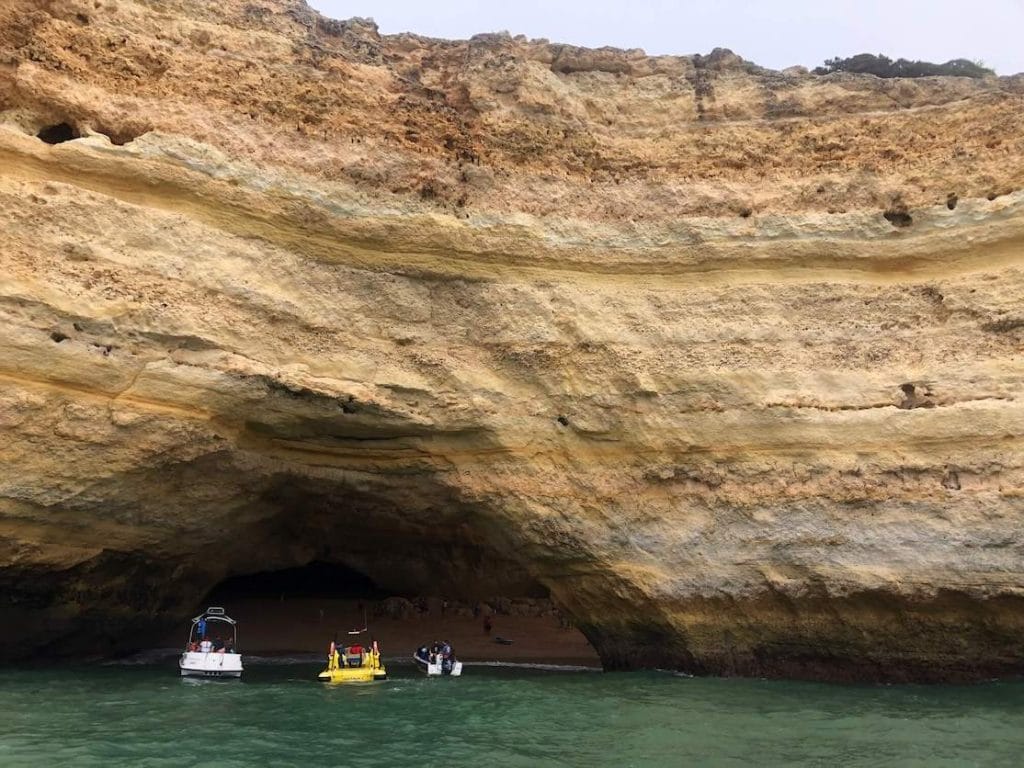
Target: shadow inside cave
[(300, 610)]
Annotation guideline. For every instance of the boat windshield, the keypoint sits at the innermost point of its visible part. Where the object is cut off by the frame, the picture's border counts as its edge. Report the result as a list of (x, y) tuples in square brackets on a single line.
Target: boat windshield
[(216, 628)]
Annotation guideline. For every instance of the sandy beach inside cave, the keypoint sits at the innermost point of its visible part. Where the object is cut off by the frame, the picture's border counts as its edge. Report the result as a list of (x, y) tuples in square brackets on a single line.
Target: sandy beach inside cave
[(308, 624)]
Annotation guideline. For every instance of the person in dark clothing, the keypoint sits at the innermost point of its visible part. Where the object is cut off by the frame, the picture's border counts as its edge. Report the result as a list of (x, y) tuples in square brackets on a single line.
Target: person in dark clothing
[(218, 644), (488, 625)]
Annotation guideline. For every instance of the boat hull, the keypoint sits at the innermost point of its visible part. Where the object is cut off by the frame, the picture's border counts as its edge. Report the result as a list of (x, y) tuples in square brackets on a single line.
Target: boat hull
[(353, 675), (215, 665), (436, 670)]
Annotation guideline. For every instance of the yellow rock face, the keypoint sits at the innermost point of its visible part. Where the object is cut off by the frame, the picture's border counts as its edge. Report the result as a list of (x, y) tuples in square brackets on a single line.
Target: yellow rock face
[(727, 360)]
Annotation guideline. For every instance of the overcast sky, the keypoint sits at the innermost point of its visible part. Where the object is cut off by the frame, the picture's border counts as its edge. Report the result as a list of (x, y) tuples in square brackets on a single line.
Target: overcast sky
[(773, 33)]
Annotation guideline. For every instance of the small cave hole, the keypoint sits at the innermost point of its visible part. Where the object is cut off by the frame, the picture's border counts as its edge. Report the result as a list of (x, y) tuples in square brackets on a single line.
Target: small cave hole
[(898, 218), (951, 200), (951, 480), (746, 213), (913, 397), (121, 136), (58, 134), (58, 337), (563, 420)]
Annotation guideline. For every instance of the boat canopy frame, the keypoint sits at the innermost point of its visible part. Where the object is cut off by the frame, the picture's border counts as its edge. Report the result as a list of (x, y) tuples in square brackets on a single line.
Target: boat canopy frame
[(213, 613)]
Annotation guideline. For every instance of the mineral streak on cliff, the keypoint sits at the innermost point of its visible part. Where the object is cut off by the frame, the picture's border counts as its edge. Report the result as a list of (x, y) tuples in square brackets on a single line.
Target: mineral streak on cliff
[(729, 360)]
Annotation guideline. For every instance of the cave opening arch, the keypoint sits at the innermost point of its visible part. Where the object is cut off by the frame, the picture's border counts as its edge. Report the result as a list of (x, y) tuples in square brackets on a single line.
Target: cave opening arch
[(322, 558)]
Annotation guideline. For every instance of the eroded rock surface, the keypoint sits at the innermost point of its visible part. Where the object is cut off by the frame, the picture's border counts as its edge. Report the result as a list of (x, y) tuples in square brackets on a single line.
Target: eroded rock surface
[(727, 360)]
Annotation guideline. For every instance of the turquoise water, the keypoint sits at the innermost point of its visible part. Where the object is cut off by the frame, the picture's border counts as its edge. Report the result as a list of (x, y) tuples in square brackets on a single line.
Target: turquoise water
[(279, 716)]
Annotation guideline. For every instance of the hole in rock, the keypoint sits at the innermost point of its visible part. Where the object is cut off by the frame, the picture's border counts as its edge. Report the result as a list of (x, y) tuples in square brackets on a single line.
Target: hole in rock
[(58, 134), (401, 556), (898, 218), (119, 136)]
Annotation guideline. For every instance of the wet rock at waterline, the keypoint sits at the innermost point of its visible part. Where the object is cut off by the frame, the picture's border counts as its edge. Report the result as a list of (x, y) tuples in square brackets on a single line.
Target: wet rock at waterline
[(700, 350)]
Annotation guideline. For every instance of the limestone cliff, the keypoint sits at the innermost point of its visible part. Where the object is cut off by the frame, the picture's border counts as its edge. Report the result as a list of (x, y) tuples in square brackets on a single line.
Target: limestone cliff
[(727, 360)]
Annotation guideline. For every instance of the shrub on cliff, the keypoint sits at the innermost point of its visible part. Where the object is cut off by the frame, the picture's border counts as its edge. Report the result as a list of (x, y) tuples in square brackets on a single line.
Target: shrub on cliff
[(883, 66)]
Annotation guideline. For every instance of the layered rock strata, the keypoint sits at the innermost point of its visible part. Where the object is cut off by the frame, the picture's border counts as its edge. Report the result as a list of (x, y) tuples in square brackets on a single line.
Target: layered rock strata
[(726, 360)]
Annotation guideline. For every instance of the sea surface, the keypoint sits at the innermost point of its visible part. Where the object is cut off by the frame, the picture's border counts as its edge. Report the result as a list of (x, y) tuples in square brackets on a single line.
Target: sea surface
[(143, 714)]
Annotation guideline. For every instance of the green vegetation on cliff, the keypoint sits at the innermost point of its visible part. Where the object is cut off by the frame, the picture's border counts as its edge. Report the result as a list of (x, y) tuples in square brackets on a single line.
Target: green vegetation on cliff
[(883, 66)]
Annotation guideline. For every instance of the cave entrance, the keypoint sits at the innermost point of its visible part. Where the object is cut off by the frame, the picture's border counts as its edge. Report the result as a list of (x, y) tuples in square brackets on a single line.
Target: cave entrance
[(299, 610), (316, 580)]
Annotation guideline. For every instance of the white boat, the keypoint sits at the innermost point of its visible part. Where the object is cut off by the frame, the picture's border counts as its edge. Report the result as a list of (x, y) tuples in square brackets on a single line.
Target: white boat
[(206, 653), (434, 663)]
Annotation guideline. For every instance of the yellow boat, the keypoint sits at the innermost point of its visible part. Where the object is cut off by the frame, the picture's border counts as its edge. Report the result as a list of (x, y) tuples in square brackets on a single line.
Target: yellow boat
[(354, 664)]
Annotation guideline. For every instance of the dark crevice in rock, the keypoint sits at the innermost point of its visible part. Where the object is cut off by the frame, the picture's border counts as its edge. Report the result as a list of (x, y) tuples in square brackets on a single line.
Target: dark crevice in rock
[(122, 135), (58, 134), (916, 396), (1004, 325), (898, 218)]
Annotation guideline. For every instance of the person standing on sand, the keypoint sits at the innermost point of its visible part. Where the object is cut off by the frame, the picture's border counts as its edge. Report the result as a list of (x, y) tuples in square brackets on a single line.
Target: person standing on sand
[(488, 625)]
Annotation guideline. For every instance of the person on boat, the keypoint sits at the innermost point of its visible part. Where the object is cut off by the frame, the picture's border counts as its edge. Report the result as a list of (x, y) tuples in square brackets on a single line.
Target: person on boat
[(355, 655), (205, 645), (423, 654), (218, 644), (332, 657), (229, 645)]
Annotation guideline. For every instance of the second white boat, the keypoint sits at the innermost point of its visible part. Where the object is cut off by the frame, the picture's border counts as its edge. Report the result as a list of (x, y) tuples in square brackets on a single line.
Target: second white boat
[(438, 660)]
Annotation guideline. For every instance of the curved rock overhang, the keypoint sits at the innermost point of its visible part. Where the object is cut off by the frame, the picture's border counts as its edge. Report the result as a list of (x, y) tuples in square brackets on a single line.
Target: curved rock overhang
[(727, 361)]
